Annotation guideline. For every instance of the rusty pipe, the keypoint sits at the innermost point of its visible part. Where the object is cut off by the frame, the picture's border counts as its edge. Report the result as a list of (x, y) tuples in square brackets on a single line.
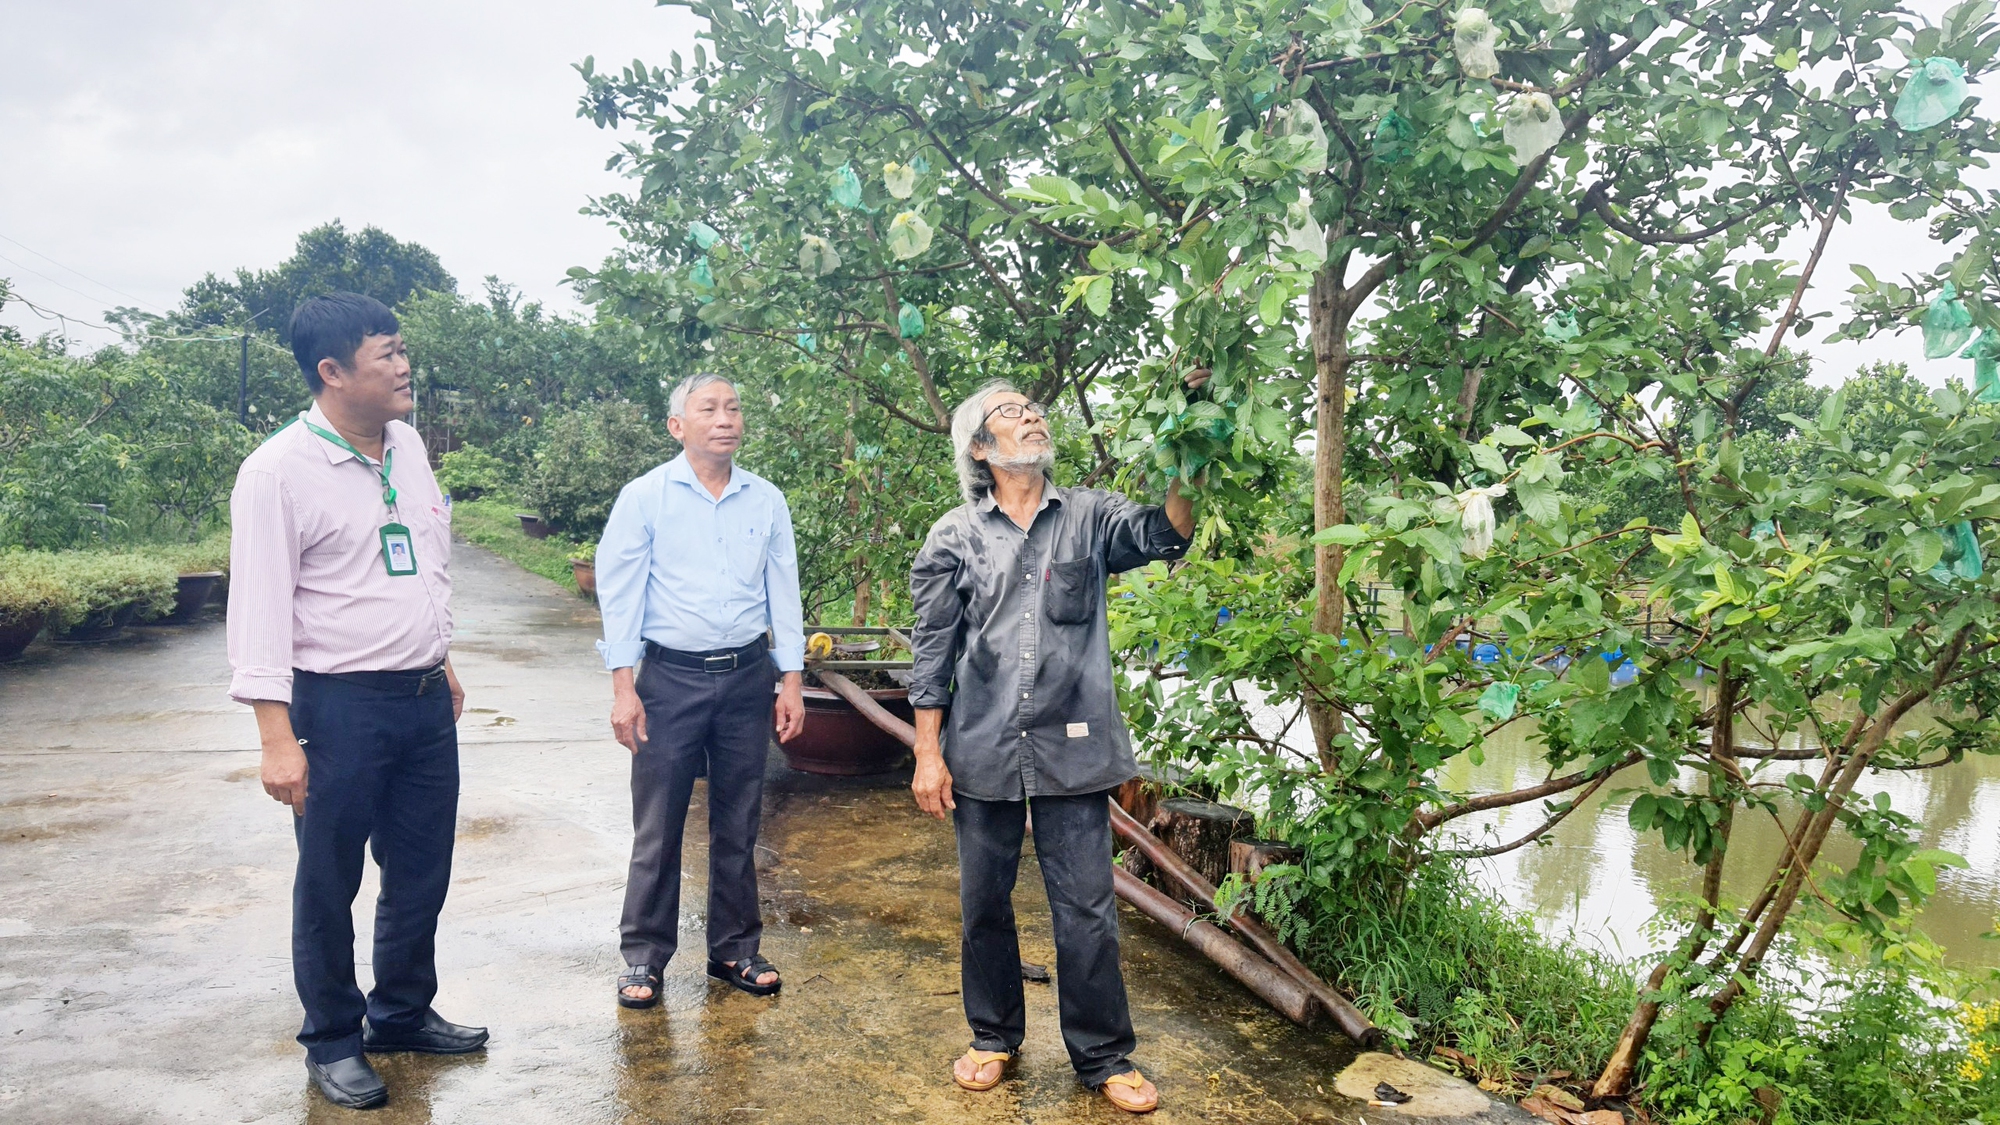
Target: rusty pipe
[(1345, 1015), (1258, 975), (863, 702)]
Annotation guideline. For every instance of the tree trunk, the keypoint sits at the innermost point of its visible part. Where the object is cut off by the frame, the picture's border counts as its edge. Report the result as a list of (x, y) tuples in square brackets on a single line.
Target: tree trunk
[(1810, 839), (1616, 1081), (1200, 832), (1329, 318)]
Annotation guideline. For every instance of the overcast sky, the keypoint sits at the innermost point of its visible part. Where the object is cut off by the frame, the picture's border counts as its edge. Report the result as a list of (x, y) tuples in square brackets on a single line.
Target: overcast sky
[(148, 143)]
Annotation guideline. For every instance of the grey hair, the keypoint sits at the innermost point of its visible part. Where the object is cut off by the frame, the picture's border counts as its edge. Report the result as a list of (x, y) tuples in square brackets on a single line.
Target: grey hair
[(969, 432), (677, 403)]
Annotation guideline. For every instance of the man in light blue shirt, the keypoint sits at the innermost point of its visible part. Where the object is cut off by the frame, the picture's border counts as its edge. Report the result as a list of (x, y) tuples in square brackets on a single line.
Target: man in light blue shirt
[(695, 567)]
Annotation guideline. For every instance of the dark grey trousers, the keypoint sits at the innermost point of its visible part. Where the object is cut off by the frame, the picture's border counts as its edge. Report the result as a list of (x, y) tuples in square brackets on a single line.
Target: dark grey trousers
[(695, 718), (1073, 843)]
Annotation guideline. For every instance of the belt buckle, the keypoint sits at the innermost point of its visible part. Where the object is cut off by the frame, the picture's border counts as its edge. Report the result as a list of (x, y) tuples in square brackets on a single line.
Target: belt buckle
[(724, 663)]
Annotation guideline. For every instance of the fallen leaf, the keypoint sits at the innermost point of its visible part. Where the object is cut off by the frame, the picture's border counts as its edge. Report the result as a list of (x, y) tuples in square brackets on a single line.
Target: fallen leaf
[(1601, 1117), (1561, 1097), (1545, 1111)]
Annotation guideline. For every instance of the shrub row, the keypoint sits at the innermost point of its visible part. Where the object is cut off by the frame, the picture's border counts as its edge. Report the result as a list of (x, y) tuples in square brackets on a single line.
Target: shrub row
[(69, 588)]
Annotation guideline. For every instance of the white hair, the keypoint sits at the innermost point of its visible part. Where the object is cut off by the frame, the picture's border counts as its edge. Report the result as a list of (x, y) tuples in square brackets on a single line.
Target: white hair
[(969, 432), (677, 403)]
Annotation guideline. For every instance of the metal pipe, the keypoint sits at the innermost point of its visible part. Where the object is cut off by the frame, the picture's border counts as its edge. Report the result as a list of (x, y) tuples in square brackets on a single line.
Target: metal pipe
[(1349, 1018), (1276, 988)]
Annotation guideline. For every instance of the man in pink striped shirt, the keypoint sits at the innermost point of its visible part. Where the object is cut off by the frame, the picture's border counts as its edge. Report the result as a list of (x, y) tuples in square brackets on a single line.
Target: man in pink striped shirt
[(340, 639)]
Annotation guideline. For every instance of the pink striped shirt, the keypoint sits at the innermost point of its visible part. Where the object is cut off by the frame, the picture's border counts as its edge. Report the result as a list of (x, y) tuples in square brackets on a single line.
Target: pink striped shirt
[(307, 586)]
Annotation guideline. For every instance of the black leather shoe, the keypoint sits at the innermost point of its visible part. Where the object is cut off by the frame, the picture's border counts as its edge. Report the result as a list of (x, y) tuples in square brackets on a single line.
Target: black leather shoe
[(435, 1036), (350, 1083)]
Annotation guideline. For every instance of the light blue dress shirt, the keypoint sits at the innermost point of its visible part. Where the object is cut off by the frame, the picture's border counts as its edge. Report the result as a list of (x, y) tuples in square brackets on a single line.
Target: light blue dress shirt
[(694, 572)]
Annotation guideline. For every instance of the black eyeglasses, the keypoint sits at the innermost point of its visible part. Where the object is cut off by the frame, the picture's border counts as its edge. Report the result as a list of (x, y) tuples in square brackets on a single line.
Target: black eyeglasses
[(1015, 410)]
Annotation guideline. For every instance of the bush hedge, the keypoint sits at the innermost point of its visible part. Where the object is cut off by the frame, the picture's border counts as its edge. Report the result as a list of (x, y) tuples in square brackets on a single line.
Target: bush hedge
[(70, 587)]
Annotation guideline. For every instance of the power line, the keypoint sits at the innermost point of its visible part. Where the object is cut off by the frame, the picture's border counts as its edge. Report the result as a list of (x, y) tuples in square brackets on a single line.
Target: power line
[(65, 319), (79, 273)]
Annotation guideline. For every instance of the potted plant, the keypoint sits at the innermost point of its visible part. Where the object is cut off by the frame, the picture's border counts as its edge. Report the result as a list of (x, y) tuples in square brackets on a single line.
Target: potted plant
[(533, 526), (26, 597), (583, 565), (103, 592), (200, 569)]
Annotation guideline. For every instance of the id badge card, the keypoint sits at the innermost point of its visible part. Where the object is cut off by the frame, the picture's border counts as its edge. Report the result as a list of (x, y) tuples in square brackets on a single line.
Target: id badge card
[(398, 554)]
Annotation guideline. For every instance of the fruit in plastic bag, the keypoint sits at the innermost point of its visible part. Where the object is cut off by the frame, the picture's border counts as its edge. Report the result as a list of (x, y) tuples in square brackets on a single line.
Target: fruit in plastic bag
[(1393, 135), (909, 321), (1531, 126), (844, 187), (900, 179), (1985, 356), (1932, 95), (1947, 324), (817, 257), (1475, 517), (909, 235), (1961, 558), (1472, 38), (1561, 325), (1302, 122), (1559, 7)]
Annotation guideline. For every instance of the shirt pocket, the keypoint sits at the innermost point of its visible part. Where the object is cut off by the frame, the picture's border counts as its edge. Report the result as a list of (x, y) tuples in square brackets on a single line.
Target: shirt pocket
[(1071, 594), (745, 546)]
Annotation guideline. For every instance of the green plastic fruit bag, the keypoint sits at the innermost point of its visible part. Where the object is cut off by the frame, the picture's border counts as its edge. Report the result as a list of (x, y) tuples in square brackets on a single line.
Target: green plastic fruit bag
[(910, 321), (1932, 95), (1985, 356), (1561, 326), (1961, 558), (1392, 138), (1947, 324), (1499, 700), (844, 187)]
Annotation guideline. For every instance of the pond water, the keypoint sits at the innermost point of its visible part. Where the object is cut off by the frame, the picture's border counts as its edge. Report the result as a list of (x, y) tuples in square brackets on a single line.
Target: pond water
[(1595, 878)]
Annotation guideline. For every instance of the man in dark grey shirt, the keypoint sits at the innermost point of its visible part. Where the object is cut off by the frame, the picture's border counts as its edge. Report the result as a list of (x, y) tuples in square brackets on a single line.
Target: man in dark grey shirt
[(1011, 640)]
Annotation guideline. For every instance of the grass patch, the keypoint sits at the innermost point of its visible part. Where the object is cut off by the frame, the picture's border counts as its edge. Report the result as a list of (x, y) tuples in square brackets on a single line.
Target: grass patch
[(491, 523)]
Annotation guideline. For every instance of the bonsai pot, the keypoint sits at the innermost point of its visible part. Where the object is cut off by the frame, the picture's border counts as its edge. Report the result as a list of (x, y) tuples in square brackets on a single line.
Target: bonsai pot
[(192, 597), (102, 625), (841, 741), (16, 634), (586, 575), (532, 525)]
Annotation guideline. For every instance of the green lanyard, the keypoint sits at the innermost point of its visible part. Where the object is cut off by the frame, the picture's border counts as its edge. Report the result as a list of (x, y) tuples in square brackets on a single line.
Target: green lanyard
[(399, 553), (388, 455)]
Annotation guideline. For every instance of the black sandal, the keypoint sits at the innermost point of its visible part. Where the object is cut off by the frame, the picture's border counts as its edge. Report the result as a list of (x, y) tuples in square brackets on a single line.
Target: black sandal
[(744, 974), (639, 976)]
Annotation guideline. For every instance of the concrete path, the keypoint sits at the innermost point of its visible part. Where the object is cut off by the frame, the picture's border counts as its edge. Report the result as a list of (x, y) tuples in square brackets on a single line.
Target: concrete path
[(144, 969)]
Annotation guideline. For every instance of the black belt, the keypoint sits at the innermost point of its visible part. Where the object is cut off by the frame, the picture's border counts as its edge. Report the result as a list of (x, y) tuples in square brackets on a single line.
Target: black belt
[(717, 660), (413, 681)]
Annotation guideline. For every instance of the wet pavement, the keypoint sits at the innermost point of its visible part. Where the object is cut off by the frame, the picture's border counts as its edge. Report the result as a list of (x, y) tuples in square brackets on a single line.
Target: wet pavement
[(144, 929)]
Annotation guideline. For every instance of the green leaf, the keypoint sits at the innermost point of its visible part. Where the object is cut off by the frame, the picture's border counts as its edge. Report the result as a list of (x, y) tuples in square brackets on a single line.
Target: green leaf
[(1488, 458), (1198, 49), (1346, 534), (1540, 501), (1097, 295), (1271, 306)]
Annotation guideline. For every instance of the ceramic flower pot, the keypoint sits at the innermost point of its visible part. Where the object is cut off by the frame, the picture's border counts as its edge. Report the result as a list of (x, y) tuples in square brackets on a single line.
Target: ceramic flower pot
[(532, 525), (586, 575)]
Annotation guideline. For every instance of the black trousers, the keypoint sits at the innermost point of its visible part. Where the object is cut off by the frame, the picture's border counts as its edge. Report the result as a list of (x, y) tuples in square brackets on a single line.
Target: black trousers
[(721, 720), (381, 770), (1073, 843)]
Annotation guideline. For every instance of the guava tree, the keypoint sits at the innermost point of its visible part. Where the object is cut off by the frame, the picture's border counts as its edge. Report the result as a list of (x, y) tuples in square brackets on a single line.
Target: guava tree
[(1503, 265)]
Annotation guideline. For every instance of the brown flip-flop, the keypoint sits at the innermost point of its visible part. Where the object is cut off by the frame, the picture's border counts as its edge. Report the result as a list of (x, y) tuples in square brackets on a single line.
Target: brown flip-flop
[(1134, 1081), (979, 1059)]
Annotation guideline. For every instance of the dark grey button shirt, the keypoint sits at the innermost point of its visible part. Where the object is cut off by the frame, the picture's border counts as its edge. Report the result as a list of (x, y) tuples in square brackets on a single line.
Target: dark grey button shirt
[(1011, 636)]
